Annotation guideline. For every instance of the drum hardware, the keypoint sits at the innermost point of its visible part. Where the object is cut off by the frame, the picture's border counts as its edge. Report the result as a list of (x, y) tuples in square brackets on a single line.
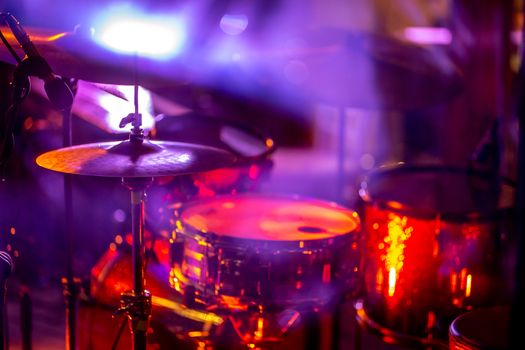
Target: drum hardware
[(517, 340), (6, 268), (60, 93), (26, 319), (136, 161)]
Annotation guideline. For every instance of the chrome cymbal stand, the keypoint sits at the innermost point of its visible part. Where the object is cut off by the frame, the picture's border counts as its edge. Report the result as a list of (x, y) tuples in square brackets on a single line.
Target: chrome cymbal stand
[(137, 303)]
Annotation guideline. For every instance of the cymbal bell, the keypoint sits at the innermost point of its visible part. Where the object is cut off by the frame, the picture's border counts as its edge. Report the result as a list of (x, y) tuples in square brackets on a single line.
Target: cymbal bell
[(135, 159)]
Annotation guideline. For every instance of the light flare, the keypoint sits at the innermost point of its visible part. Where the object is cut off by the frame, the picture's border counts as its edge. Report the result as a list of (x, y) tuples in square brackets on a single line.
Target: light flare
[(392, 278), (428, 35), (131, 31), (398, 233)]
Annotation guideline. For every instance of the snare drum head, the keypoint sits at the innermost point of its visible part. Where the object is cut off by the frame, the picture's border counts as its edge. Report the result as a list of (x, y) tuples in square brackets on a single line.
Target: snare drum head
[(269, 218), (451, 192)]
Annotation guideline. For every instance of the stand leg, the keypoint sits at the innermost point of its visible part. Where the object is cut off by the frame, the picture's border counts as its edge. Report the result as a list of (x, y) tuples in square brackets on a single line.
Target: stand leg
[(71, 290), (69, 282), (137, 303), (137, 231)]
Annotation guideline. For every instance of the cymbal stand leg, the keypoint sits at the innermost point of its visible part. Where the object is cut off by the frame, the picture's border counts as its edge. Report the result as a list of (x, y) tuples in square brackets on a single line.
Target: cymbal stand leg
[(137, 303), (71, 291)]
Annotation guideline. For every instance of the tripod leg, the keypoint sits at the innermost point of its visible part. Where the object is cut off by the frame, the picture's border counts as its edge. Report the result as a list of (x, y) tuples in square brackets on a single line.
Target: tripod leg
[(26, 319)]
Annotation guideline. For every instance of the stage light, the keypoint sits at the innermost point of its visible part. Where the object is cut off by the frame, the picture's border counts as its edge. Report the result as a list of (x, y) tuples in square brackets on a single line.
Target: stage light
[(128, 30)]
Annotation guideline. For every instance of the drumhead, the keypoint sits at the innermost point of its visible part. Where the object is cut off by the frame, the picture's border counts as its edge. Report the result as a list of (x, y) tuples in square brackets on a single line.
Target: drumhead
[(269, 218), (453, 193)]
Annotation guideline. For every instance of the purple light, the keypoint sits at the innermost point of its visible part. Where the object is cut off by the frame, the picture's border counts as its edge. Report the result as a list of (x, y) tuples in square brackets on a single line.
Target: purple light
[(128, 30), (428, 35), (233, 24)]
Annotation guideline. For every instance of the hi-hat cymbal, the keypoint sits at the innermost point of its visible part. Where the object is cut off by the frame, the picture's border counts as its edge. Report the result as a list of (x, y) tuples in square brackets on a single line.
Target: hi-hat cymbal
[(131, 159)]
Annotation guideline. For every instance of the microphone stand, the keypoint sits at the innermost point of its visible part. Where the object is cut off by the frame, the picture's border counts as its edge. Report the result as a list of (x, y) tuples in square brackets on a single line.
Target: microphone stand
[(6, 267), (517, 341), (70, 283)]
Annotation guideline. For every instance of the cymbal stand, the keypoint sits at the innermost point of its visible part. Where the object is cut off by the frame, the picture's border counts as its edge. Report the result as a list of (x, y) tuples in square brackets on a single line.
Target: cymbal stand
[(137, 303)]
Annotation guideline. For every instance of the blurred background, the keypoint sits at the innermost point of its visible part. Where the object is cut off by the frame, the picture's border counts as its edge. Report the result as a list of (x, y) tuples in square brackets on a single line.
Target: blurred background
[(315, 94)]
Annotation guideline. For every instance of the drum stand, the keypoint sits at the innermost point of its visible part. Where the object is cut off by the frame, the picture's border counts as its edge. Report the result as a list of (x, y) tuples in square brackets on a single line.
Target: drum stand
[(137, 303)]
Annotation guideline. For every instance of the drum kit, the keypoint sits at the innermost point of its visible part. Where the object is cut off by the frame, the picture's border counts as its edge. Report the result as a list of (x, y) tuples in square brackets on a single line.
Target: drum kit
[(223, 266)]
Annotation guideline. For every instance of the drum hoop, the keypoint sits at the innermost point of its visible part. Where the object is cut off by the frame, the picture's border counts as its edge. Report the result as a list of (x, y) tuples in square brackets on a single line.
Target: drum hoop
[(289, 245), (403, 209)]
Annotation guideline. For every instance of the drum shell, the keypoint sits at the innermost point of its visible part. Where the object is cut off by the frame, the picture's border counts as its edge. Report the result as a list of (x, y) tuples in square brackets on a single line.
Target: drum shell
[(271, 273), (481, 329), (169, 328), (424, 268)]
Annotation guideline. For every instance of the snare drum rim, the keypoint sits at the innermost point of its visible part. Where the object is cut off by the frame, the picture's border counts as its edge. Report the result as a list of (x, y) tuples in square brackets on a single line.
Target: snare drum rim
[(218, 239), (412, 211)]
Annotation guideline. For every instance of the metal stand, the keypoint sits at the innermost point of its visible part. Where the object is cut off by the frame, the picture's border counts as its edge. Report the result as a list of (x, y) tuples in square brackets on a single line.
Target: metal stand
[(69, 282), (137, 303), (517, 340), (6, 267)]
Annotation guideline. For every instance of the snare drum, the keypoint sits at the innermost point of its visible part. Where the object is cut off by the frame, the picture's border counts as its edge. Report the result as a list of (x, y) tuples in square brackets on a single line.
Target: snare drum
[(438, 243), (263, 250)]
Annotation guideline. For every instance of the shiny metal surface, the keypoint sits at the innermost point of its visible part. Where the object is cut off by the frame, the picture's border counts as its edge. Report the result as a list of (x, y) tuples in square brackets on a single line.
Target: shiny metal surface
[(129, 159), (436, 248), (274, 251)]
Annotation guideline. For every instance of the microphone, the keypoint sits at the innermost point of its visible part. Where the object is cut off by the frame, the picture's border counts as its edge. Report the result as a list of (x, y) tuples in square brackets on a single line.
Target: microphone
[(34, 64)]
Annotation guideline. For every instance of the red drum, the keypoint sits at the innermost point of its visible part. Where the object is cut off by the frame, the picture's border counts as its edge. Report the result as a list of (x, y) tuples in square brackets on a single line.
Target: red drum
[(438, 243), (481, 329), (262, 250), (253, 149)]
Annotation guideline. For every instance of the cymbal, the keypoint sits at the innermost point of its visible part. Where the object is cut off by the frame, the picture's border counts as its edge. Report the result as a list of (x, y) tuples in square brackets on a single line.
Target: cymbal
[(76, 56), (130, 159), (329, 66), (352, 69)]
